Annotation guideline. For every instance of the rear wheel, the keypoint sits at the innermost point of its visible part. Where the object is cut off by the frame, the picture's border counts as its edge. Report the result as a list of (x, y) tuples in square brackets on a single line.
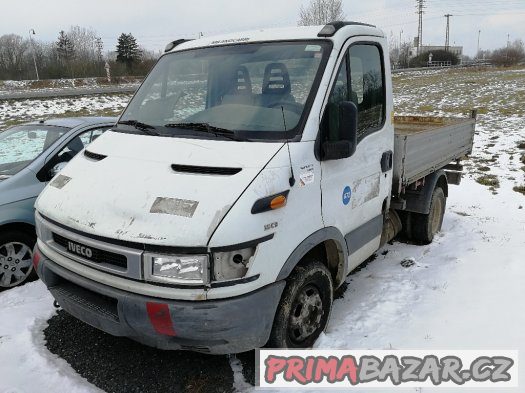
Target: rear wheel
[(304, 308), (425, 226), (16, 254)]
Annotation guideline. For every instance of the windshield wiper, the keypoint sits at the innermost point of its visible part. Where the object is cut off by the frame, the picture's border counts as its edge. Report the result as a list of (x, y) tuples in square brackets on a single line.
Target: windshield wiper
[(145, 128), (206, 127)]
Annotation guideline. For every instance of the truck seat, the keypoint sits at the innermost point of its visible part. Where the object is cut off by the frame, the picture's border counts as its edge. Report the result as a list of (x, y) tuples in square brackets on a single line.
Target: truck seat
[(276, 85), (240, 91)]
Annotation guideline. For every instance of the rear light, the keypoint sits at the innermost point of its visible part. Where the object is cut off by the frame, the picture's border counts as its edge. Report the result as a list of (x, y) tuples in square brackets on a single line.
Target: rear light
[(36, 258), (160, 318)]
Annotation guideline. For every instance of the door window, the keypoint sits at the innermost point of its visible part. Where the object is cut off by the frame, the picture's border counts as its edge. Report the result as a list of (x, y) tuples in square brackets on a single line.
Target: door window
[(338, 95), (89, 136), (73, 147), (367, 88), (361, 81)]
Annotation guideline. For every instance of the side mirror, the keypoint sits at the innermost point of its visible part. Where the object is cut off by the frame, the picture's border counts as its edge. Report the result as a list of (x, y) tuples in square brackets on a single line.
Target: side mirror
[(56, 169), (346, 145)]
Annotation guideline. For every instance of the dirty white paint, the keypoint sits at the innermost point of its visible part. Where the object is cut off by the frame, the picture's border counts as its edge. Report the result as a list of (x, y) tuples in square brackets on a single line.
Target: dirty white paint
[(364, 190)]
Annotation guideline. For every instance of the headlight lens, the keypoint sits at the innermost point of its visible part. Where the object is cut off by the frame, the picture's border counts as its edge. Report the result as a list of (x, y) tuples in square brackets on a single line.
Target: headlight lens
[(177, 269)]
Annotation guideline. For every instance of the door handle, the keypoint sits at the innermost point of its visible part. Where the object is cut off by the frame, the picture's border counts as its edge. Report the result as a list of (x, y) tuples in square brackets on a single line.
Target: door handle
[(387, 161)]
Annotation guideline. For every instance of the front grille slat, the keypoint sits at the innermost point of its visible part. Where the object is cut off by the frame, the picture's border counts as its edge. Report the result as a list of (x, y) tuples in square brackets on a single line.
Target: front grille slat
[(98, 256)]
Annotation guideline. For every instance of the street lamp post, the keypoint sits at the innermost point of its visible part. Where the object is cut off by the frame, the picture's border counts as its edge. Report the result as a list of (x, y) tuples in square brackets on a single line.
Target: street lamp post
[(32, 32)]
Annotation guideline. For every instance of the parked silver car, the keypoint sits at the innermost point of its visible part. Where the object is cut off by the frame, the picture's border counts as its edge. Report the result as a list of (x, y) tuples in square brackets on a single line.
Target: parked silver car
[(30, 156)]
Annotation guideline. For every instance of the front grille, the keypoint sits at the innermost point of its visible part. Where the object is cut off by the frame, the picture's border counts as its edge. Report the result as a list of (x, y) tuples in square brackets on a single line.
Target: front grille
[(97, 256)]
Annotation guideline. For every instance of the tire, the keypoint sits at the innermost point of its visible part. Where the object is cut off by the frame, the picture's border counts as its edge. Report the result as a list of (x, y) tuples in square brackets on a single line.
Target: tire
[(296, 326), (425, 226), (16, 255)]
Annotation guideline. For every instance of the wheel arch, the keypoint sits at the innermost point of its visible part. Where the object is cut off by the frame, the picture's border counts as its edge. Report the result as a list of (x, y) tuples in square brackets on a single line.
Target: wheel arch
[(328, 246), (419, 201), (18, 226)]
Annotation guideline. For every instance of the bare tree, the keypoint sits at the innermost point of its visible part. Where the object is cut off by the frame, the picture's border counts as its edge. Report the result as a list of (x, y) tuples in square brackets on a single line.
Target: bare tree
[(12, 51), (510, 55), (321, 12)]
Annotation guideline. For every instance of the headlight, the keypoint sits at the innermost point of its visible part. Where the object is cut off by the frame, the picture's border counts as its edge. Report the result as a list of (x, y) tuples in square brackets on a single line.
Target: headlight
[(231, 265), (176, 269)]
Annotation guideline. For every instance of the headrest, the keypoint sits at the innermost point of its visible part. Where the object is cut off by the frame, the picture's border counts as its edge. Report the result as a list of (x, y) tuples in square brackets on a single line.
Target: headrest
[(242, 83), (276, 79)]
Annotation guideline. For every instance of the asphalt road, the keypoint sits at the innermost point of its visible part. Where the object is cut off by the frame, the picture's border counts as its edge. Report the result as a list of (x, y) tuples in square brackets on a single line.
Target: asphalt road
[(122, 365), (118, 365), (69, 92)]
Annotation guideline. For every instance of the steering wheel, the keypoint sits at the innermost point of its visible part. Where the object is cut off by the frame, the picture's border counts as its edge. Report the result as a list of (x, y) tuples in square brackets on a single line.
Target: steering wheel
[(291, 106)]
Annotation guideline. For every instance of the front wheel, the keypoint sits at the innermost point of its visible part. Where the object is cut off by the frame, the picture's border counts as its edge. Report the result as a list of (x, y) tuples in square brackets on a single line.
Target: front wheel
[(16, 254), (304, 308)]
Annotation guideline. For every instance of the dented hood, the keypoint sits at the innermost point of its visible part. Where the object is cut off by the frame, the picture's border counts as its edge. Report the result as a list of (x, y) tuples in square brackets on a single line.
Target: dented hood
[(153, 190)]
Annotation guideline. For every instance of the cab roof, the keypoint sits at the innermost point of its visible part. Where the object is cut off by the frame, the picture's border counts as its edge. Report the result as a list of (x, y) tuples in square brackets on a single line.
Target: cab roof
[(338, 29)]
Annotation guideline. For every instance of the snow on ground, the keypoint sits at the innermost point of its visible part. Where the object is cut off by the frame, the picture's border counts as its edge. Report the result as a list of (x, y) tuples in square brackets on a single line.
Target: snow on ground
[(17, 111), (61, 84), (464, 291), (26, 366)]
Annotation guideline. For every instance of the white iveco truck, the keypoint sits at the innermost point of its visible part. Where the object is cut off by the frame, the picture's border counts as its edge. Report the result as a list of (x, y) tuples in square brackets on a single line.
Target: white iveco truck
[(248, 176)]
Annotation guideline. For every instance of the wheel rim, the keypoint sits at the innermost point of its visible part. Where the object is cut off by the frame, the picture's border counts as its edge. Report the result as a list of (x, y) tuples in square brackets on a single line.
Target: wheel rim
[(437, 212), (15, 263), (306, 314)]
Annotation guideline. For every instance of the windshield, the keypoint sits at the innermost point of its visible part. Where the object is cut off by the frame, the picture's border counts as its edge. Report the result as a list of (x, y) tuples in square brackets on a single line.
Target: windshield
[(20, 145), (260, 91)]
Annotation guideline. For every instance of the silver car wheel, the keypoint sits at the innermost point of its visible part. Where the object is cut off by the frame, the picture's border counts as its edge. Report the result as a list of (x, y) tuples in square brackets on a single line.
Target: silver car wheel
[(15, 264)]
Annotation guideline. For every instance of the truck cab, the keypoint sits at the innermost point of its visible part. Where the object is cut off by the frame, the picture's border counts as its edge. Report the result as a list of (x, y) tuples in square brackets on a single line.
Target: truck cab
[(248, 176)]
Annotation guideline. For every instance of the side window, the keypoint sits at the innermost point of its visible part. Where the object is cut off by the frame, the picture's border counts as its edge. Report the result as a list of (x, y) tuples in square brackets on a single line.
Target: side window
[(89, 136), (367, 88), (77, 144), (330, 123)]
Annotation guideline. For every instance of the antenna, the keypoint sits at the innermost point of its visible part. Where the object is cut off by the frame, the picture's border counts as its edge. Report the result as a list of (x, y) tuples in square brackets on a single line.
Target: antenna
[(292, 177)]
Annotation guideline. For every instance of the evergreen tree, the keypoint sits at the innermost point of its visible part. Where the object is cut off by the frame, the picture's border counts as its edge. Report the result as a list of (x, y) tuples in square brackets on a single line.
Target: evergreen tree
[(127, 50), (65, 47)]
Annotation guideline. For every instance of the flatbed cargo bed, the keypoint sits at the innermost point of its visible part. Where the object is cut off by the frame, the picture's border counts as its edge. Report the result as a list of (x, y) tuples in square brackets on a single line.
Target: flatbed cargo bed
[(426, 144)]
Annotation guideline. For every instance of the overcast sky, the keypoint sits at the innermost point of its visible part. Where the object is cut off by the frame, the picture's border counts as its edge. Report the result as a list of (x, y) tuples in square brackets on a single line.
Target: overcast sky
[(156, 22)]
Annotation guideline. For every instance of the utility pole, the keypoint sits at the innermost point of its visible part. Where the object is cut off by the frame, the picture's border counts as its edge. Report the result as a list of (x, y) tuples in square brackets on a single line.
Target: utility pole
[(479, 35), (420, 6), (32, 32), (447, 39), (508, 46)]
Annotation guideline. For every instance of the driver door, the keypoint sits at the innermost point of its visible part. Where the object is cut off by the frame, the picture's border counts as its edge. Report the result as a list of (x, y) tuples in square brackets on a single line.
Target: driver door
[(355, 190)]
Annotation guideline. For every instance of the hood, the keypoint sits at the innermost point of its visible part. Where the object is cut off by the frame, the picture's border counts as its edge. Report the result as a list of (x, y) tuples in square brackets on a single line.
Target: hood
[(153, 190), (24, 185)]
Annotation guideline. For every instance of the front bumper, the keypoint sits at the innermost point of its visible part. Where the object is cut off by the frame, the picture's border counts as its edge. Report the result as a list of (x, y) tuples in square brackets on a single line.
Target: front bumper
[(221, 326)]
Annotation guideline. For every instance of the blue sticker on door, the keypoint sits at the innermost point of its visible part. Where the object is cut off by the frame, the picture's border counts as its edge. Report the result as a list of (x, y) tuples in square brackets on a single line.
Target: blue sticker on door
[(347, 195)]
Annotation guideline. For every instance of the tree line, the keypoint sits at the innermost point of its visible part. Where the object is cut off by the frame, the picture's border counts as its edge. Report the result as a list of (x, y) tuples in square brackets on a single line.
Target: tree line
[(76, 53)]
